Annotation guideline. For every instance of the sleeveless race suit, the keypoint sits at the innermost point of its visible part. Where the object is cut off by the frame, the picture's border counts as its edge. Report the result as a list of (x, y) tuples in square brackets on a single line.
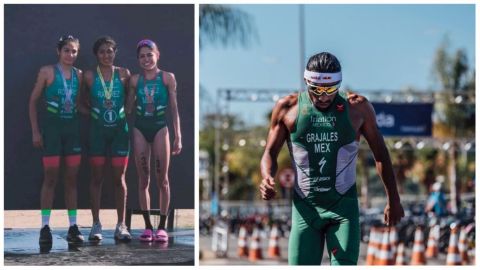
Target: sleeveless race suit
[(60, 130), (108, 126), (325, 205), (152, 102)]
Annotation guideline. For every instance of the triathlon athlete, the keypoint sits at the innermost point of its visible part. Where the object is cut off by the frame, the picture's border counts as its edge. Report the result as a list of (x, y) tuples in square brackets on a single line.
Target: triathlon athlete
[(154, 90), (103, 97), (59, 133), (322, 128)]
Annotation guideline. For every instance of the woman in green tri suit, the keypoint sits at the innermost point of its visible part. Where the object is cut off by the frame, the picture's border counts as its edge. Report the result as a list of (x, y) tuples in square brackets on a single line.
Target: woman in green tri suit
[(154, 91), (103, 97), (58, 136)]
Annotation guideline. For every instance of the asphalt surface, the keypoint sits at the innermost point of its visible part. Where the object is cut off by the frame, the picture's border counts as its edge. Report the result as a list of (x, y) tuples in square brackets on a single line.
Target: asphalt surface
[(209, 257), (22, 248)]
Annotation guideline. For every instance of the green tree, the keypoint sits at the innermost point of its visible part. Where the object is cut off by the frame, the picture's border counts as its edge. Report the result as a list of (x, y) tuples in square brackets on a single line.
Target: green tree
[(225, 25)]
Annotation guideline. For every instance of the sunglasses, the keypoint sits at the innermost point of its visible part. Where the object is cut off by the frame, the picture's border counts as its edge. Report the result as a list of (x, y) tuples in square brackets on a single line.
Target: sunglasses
[(319, 90)]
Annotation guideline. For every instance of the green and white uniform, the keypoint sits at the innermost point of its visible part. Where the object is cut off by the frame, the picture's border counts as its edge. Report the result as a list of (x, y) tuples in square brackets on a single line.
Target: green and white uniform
[(325, 205), (152, 102), (108, 126), (60, 130)]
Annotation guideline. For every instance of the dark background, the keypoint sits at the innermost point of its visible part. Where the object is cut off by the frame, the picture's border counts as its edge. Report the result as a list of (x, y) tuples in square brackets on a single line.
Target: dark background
[(31, 35)]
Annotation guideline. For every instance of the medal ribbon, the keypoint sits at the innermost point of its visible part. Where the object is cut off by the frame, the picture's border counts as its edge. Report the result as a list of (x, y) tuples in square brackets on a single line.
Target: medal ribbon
[(68, 91), (106, 90)]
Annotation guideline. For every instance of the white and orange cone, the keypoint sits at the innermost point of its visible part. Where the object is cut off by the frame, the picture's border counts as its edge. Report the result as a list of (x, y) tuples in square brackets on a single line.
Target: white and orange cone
[(273, 243), (255, 252), (384, 252), (418, 251), (401, 258), (432, 244), (372, 246), (463, 248), (242, 242), (453, 255), (393, 245)]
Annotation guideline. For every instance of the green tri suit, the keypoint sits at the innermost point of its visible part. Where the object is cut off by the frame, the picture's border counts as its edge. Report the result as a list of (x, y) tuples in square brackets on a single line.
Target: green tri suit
[(108, 125), (325, 205), (60, 130), (152, 102)]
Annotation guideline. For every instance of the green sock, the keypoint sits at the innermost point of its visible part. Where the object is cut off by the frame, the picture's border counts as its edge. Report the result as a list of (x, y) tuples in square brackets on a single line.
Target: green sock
[(72, 216), (45, 216)]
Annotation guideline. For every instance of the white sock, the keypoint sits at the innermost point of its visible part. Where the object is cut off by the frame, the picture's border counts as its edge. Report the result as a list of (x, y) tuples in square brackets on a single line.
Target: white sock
[(45, 220), (72, 219)]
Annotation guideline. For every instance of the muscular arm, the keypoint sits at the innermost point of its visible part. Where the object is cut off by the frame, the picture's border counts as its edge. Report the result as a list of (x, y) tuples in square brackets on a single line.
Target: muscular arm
[(172, 92), (40, 84), (83, 99), (277, 135), (131, 95), (393, 210), (125, 76)]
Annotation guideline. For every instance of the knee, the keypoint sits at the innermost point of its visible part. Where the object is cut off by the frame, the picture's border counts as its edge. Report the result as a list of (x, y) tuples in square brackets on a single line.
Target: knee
[(143, 183), (163, 183), (51, 177)]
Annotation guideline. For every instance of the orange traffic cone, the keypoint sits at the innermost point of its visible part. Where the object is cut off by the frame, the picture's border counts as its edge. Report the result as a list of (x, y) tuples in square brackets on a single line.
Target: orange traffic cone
[(393, 246), (273, 244), (401, 258), (462, 247), (432, 244), (453, 255), (372, 246), (418, 251), (242, 242), (255, 252), (383, 254)]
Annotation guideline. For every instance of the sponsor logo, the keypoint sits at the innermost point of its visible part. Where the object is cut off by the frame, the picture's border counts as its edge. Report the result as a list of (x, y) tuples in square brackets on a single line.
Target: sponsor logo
[(385, 120), (340, 107), (322, 164)]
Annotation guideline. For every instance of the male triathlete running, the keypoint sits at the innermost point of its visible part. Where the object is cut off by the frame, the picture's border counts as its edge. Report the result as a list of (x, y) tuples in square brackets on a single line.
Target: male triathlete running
[(322, 128)]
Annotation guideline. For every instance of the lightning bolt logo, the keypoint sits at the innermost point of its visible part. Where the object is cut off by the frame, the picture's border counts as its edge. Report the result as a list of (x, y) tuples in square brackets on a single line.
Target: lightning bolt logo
[(322, 163)]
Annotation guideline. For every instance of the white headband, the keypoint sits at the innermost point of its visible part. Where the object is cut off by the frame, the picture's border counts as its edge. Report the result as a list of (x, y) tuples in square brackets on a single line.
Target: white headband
[(322, 77)]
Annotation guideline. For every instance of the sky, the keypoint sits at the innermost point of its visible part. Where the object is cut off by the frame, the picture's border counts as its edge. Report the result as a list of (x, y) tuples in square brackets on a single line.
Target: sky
[(380, 47)]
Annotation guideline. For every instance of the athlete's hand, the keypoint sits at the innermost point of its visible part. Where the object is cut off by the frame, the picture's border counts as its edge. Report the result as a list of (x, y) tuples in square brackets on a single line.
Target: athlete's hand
[(177, 146), (267, 188), (37, 140), (393, 213)]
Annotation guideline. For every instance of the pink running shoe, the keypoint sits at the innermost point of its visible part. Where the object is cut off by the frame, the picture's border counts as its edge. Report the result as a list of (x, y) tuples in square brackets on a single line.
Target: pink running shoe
[(161, 236), (147, 236)]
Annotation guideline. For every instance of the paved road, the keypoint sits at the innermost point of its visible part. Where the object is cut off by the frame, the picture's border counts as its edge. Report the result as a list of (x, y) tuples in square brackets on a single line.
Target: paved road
[(21, 248), (208, 256)]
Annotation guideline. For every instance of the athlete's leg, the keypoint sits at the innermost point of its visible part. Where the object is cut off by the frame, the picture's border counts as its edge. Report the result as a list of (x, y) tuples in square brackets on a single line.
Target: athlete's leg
[(343, 236), (51, 170), (305, 246), (97, 164), (161, 150), (120, 149), (72, 164), (142, 162)]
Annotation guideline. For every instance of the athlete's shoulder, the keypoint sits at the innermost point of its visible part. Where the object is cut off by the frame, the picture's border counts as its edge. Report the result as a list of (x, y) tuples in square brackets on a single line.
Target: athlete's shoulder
[(168, 76), (356, 100), (288, 101), (79, 71), (46, 72), (124, 72)]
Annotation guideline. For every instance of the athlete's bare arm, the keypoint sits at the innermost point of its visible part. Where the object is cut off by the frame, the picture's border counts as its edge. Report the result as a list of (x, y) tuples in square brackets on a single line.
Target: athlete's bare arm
[(84, 97), (283, 117), (45, 77), (364, 121), (131, 93), (171, 83)]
